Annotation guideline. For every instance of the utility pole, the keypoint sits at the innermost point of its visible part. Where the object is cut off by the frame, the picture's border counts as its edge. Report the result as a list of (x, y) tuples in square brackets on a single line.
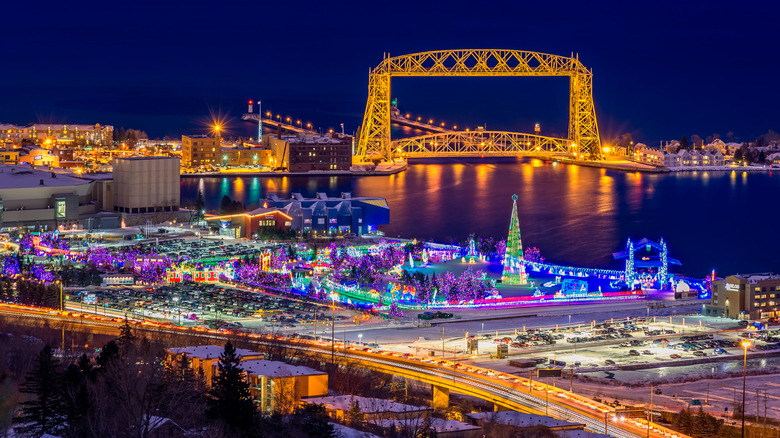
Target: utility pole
[(333, 335), (650, 411)]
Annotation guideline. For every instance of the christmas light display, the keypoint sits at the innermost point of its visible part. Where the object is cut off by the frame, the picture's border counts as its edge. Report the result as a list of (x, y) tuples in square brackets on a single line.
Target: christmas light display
[(514, 268)]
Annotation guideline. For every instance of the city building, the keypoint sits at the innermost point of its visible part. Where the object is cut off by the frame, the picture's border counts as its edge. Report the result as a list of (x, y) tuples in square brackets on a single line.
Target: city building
[(52, 135), (279, 385), (145, 185), (241, 156), (200, 150), (746, 296), (308, 152), (39, 157), (204, 358), (43, 199), (10, 156)]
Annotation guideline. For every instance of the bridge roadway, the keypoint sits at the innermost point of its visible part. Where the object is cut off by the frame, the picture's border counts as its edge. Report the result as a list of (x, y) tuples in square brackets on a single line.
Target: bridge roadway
[(513, 393)]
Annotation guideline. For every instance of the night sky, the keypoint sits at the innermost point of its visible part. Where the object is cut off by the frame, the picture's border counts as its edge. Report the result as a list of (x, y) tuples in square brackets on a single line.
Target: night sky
[(662, 69)]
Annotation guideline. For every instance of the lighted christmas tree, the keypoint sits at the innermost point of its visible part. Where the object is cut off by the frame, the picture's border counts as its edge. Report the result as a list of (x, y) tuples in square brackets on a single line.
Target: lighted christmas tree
[(514, 268)]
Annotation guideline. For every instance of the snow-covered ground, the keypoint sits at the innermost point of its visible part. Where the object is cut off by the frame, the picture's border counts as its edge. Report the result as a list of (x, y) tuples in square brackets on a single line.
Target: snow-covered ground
[(717, 396), (722, 168)]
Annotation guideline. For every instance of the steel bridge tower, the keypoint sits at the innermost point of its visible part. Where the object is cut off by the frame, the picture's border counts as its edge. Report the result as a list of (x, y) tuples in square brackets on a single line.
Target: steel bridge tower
[(583, 137)]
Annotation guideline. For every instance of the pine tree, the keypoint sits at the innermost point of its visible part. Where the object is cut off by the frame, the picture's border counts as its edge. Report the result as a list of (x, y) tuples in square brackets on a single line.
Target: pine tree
[(311, 420), (78, 402), (684, 143), (229, 399), (355, 415), (126, 337), (44, 412), (108, 354)]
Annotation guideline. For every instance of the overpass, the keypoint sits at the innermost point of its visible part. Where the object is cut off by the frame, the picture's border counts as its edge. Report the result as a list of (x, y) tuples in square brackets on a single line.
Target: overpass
[(374, 140), (504, 391)]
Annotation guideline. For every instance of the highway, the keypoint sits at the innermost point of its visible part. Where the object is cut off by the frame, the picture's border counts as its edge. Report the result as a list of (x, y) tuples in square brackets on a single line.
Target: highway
[(501, 389)]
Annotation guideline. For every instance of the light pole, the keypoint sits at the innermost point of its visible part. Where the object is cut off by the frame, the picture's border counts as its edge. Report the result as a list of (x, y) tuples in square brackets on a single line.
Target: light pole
[(61, 303), (745, 345), (360, 338), (333, 333)]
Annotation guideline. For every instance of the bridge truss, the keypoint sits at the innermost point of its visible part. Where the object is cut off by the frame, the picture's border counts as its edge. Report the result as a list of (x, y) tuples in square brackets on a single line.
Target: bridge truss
[(583, 136), (477, 143)]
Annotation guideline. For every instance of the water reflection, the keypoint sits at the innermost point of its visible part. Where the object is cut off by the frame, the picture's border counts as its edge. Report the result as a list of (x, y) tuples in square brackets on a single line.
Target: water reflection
[(574, 214)]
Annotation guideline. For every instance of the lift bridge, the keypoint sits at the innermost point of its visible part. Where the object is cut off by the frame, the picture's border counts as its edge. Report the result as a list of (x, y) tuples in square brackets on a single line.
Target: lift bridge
[(374, 141)]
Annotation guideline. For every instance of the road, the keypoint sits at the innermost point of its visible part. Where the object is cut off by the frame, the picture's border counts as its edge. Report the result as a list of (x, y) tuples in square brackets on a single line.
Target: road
[(507, 391)]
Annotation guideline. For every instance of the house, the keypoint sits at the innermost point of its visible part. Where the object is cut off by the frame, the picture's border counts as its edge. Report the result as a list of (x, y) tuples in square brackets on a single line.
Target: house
[(653, 157), (279, 386), (671, 159), (443, 428), (204, 358), (373, 408)]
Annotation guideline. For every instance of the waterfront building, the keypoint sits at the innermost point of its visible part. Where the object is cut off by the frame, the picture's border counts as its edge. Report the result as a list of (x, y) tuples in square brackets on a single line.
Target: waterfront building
[(746, 296), (653, 157), (308, 152), (242, 156), (145, 185), (322, 215), (199, 150), (43, 199), (671, 159), (51, 135), (681, 158)]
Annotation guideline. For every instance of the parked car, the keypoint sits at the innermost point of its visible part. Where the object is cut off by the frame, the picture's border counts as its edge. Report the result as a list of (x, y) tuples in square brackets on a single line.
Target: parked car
[(675, 356)]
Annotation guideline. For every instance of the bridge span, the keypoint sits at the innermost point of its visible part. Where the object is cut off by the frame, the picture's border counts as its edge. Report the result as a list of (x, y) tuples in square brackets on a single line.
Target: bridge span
[(479, 144)]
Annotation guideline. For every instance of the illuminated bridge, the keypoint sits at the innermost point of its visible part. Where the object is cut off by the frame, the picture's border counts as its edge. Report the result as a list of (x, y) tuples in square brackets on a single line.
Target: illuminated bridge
[(510, 392), (374, 140), (478, 143)]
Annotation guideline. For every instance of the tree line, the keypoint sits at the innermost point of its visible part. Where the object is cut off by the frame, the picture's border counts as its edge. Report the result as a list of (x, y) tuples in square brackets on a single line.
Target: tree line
[(129, 387)]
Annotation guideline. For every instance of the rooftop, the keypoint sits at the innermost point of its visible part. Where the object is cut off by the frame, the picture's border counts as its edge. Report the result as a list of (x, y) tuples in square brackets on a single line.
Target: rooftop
[(272, 368), (210, 351), (520, 419), (758, 276), (144, 158), (367, 404), (21, 176), (437, 424)]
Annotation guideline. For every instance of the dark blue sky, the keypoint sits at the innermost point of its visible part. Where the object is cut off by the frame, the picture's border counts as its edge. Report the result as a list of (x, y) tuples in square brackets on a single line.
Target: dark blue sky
[(662, 69)]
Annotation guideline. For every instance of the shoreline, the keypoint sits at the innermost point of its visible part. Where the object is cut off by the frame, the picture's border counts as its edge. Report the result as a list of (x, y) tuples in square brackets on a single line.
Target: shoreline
[(388, 170), (396, 168)]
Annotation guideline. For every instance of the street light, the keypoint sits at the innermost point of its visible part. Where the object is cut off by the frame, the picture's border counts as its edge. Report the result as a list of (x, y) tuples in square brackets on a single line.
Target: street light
[(745, 345), (61, 304), (360, 339)]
